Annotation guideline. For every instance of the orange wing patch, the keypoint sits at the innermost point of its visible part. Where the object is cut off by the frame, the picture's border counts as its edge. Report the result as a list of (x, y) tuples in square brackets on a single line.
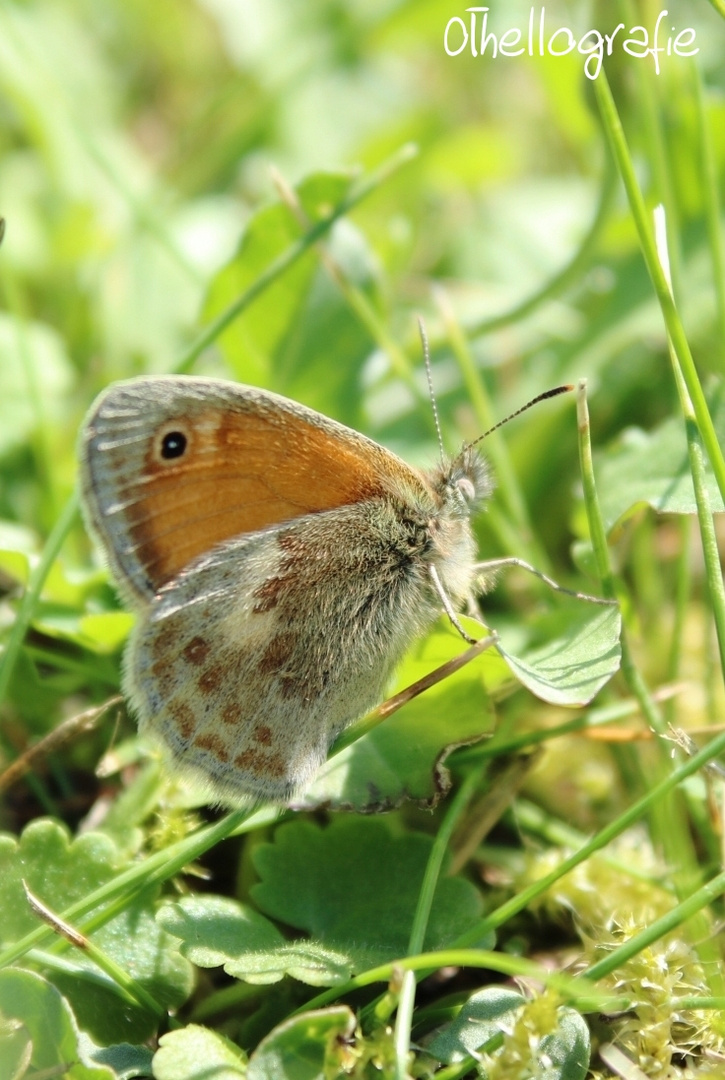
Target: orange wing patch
[(240, 473)]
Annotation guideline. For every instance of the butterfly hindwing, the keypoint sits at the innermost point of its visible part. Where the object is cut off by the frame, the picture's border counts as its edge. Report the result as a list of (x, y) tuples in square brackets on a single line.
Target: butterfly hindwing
[(247, 668)]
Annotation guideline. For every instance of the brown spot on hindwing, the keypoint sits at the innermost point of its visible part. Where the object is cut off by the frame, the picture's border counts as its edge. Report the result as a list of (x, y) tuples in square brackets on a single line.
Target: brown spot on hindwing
[(248, 759), (212, 678), (274, 765), (277, 654), (196, 651), (270, 765), (232, 713), (262, 734), (213, 745), (164, 672), (183, 718)]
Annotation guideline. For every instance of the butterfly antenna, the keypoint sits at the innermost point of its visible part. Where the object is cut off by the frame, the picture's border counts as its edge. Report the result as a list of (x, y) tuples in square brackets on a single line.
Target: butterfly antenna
[(534, 401), (429, 377)]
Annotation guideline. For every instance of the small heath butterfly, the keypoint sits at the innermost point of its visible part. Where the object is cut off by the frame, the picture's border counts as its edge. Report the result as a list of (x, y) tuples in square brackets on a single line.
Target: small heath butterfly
[(280, 565)]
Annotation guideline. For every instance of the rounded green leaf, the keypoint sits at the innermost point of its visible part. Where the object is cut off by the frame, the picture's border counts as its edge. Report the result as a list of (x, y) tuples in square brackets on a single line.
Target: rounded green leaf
[(484, 1015), (652, 468), (197, 1053), (354, 886), (306, 1047), (50, 1025), (566, 657)]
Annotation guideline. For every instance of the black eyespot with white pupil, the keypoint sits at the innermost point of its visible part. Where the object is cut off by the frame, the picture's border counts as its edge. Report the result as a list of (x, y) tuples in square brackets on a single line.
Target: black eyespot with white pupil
[(173, 445)]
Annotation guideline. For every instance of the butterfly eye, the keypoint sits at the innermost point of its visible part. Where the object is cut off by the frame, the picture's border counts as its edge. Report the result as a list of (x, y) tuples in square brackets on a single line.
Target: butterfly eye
[(173, 445), (466, 488)]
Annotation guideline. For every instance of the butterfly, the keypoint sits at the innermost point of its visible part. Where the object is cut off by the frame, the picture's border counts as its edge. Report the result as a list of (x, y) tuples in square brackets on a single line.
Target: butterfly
[(280, 565)]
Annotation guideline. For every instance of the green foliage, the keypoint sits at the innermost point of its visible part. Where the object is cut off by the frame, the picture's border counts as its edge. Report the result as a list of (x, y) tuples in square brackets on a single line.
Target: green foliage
[(561, 1054), (292, 338), (652, 467), (195, 1052), (59, 871), (308, 881), (147, 233), (320, 881), (45, 1026), (571, 654)]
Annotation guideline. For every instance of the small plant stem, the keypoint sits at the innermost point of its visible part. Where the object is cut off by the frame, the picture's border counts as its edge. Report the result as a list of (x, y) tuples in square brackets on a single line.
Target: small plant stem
[(683, 584), (601, 554), (32, 593), (519, 534), (156, 868), (710, 191), (675, 329), (705, 518), (404, 1018), (597, 531), (127, 987), (638, 809), (568, 986), (278, 266), (680, 914)]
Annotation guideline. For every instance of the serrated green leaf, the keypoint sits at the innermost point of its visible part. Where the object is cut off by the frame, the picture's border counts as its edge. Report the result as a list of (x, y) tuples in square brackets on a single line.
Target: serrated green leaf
[(49, 1021), (60, 871), (216, 931), (307, 1047), (652, 468), (309, 962), (196, 1053), (353, 886)]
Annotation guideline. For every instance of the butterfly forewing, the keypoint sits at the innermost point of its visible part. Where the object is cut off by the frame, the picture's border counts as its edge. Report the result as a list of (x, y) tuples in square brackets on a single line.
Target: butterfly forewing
[(175, 466)]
